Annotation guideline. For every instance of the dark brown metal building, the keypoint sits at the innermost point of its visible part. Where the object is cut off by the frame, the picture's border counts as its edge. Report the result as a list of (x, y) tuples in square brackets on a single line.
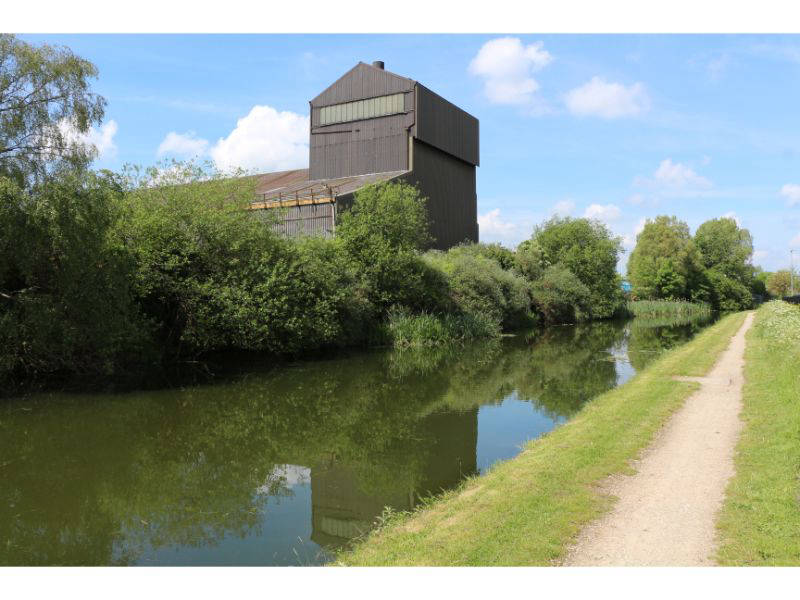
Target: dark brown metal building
[(372, 126)]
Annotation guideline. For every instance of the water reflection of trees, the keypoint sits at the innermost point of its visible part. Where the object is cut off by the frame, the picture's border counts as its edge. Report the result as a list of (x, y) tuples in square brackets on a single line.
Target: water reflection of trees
[(102, 479), (648, 338)]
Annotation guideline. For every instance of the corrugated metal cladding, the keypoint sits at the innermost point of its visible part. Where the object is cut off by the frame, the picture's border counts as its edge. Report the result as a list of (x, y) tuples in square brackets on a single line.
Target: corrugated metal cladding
[(447, 127), (362, 81), (295, 221), (444, 138), (449, 185), (372, 146)]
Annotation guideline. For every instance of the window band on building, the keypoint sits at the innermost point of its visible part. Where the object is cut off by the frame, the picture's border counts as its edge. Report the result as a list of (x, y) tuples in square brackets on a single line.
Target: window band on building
[(362, 109)]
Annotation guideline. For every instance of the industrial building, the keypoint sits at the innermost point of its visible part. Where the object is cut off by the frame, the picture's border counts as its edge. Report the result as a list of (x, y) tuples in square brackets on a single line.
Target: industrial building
[(372, 126)]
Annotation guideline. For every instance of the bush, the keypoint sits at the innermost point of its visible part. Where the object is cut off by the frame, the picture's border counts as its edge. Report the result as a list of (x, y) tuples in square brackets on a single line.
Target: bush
[(561, 297), (529, 260), (479, 286), (502, 256), (382, 234), (214, 278), (589, 251), (728, 294), (66, 302)]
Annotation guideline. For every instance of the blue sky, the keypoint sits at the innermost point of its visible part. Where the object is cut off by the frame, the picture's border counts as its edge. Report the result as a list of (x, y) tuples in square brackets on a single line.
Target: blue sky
[(620, 128)]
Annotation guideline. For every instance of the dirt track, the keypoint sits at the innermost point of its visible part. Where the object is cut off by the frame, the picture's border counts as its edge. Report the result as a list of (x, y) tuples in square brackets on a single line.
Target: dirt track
[(666, 511)]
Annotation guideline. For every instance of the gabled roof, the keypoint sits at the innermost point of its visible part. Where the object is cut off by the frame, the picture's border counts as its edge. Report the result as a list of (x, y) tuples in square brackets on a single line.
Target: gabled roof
[(363, 81)]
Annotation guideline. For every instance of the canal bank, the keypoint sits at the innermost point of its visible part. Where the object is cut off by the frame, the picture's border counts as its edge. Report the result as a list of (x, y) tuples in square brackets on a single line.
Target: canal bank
[(527, 510), (285, 465)]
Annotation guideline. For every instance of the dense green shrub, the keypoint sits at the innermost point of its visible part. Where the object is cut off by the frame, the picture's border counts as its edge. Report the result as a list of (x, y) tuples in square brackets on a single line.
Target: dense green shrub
[(382, 234), (214, 278), (590, 252), (480, 286), (502, 256), (530, 260), (561, 297), (729, 294), (66, 302), (779, 283)]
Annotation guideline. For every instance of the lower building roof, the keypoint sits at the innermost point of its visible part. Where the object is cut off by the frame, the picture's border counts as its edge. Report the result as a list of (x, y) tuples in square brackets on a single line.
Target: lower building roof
[(290, 188)]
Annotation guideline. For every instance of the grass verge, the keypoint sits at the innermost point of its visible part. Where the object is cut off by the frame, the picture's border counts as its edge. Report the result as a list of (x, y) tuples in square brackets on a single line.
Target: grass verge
[(760, 520), (525, 511)]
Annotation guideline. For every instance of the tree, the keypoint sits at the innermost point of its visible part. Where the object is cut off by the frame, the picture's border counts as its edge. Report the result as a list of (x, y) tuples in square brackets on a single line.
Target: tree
[(45, 104), (779, 283), (382, 233), (529, 260), (561, 297), (588, 250), (665, 264), (66, 301), (726, 248)]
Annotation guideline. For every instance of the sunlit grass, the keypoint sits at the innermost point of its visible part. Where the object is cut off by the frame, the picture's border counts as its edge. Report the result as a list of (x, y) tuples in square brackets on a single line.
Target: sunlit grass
[(760, 520)]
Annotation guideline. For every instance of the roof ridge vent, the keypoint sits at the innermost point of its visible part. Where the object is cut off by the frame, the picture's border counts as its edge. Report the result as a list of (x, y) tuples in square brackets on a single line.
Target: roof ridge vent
[(378, 64)]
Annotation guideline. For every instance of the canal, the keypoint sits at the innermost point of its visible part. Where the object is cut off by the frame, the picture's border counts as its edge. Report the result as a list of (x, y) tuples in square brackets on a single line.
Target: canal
[(284, 466)]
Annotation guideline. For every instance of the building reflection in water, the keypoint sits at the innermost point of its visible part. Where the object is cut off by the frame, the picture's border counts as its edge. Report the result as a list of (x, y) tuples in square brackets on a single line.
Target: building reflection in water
[(342, 510)]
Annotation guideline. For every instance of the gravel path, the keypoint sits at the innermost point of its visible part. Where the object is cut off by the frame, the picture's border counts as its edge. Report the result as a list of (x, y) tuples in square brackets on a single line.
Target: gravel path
[(666, 510)]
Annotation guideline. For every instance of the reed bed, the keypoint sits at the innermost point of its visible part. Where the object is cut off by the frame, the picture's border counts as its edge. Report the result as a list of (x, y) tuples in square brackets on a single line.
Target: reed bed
[(653, 309)]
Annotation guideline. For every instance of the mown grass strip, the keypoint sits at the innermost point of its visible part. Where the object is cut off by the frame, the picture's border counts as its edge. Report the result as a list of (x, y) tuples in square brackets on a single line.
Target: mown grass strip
[(526, 511), (760, 520)]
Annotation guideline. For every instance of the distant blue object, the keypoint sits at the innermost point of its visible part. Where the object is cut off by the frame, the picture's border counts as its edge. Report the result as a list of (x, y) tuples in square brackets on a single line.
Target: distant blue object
[(626, 287)]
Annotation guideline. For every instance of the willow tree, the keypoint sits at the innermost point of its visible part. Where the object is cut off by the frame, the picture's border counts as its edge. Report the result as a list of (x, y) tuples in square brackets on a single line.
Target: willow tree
[(45, 105)]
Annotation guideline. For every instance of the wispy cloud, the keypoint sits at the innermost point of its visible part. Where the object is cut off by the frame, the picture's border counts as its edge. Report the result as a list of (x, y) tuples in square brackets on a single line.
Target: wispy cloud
[(183, 145), (791, 191), (602, 212), (608, 100)]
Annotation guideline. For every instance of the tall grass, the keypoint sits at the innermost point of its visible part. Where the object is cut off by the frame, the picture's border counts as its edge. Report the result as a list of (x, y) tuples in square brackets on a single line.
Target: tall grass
[(667, 308), (426, 329), (760, 520)]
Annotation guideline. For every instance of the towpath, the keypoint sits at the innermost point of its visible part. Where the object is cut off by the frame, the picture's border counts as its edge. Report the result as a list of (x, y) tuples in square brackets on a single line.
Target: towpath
[(666, 511)]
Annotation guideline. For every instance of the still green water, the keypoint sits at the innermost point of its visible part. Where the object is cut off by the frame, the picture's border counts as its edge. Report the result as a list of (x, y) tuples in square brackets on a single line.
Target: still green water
[(284, 466)]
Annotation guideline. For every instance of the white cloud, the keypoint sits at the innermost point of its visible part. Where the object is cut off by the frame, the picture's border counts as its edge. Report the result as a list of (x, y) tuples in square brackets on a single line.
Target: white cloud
[(791, 191), (101, 139), (183, 144), (760, 254), (493, 225), (636, 199), (264, 140), (605, 213), (506, 66), (732, 215), (563, 208), (795, 241), (675, 175), (608, 100)]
